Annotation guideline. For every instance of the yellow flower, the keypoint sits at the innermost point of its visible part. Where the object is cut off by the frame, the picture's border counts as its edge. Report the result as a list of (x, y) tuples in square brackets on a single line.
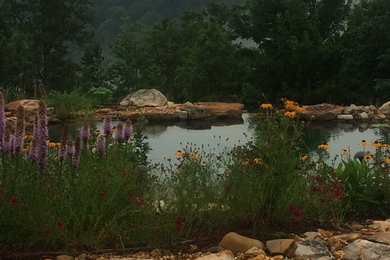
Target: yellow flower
[(323, 146), (385, 145), (300, 109), (257, 161), (97, 132), (344, 152), (28, 137), (289, 104), (368, 153), (266, 105), (367, 158), (376, 144), (51, 144), (303, 157), (290, 113), (363, 142), (25, 150), (179, 153), (195, 154), (58, 144), (387, 160)]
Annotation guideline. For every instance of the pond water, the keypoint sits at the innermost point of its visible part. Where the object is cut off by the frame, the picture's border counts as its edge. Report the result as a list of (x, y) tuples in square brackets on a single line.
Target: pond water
[(217, 136)]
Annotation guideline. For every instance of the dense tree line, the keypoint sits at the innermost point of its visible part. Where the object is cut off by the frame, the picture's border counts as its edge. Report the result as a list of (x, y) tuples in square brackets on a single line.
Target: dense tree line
[(309, 50)]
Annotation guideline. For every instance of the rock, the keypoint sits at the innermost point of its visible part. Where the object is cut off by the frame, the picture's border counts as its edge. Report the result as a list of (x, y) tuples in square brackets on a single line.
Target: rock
[(171, 104), (285, 247), (313, 236), (196, 111), (321, 112), (145, 97), (156, 253), (345, 117), (381, 237), (313, 250), (347, 237), (221, 110), (238, 243), (363, 249), (373, 109), (383, 226), (363, 116), (253, 252), (29, 105), (223, 255), (380, 116), (215, 249), (325, 233), (64, 257), (385, 108), (349, 110), (278, 257)]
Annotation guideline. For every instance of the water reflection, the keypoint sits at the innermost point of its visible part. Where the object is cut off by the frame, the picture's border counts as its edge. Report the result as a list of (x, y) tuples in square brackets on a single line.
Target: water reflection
[(217, 136)]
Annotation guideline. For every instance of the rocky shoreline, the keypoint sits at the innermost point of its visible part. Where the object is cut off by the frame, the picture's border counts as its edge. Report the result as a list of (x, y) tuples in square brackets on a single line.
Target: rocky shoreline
[(154, 106), (369, 240)]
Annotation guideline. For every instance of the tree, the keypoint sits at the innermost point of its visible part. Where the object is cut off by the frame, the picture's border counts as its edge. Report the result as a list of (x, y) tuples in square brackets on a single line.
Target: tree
[(298, 54), (51, 28), (366, 42)]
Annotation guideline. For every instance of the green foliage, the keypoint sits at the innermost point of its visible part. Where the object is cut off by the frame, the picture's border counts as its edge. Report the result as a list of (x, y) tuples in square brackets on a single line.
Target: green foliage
[(102, 95), (66, 105)]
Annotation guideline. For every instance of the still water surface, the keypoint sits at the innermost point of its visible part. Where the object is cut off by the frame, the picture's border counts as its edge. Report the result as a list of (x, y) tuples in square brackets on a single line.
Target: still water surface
[(166, 139)]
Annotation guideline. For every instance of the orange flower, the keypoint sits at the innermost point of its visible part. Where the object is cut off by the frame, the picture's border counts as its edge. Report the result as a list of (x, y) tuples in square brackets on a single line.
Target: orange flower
[(266, 106), (344, 152), (376, 144), (363, 142), (257, 161), (300, 109), (387, 160), (195, 154), (179, 153), (290, 113), (323, 146), (303, 157), (289, 104)]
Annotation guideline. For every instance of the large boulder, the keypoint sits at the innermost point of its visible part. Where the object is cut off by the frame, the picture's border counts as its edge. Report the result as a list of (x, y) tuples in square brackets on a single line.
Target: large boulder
[(321, 112), (30, 106), (385, 108), (219, 109), (145, 98)]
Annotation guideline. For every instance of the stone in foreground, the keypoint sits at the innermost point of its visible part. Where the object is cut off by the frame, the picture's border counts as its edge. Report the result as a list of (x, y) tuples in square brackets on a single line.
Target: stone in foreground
[(313, 250), (223, 255), (238, 243), (363, 249), (284, 247)]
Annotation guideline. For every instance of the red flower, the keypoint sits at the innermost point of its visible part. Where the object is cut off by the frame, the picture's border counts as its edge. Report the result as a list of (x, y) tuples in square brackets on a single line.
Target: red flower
[(111, 235), (102, 193), (134, 225), (335, 222), (323, 201), (229, 187), (295, 211), (13, 201), (47, 232), (60, 224), (1, 191), (317, 189), (338, 193), (179, 224)]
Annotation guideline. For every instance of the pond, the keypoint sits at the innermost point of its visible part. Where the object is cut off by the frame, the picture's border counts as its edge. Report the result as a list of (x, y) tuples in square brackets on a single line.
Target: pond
[(216, 136)]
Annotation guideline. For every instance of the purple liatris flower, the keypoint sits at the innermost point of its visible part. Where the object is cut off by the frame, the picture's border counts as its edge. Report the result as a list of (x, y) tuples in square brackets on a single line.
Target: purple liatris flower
[(42, 134), (85, 134), (107, 125), (101, 145), (33, 153), (2, 118), (71, 148), (76, 155), (20, 126), (119, 132), (128, 129), (64, 144), (8, 142), (35, 126)]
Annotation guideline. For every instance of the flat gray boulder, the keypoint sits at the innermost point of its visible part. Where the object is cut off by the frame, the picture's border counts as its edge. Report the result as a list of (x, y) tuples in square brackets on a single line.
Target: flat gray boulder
[(145, 98)]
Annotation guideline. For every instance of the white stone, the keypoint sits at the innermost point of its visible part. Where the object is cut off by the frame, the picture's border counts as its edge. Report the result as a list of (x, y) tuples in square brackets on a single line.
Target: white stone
[(345, 117), (363, 249)]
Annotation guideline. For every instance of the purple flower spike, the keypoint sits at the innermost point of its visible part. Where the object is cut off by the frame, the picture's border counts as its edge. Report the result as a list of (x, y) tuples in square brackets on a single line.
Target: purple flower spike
[(71, 148), (8, 142), (85, 134), (101, 145), (119, 132), (42, 135), (76, 155), (33, 153), (128, 129), (20, 126), (2, 118), (107, 125)]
